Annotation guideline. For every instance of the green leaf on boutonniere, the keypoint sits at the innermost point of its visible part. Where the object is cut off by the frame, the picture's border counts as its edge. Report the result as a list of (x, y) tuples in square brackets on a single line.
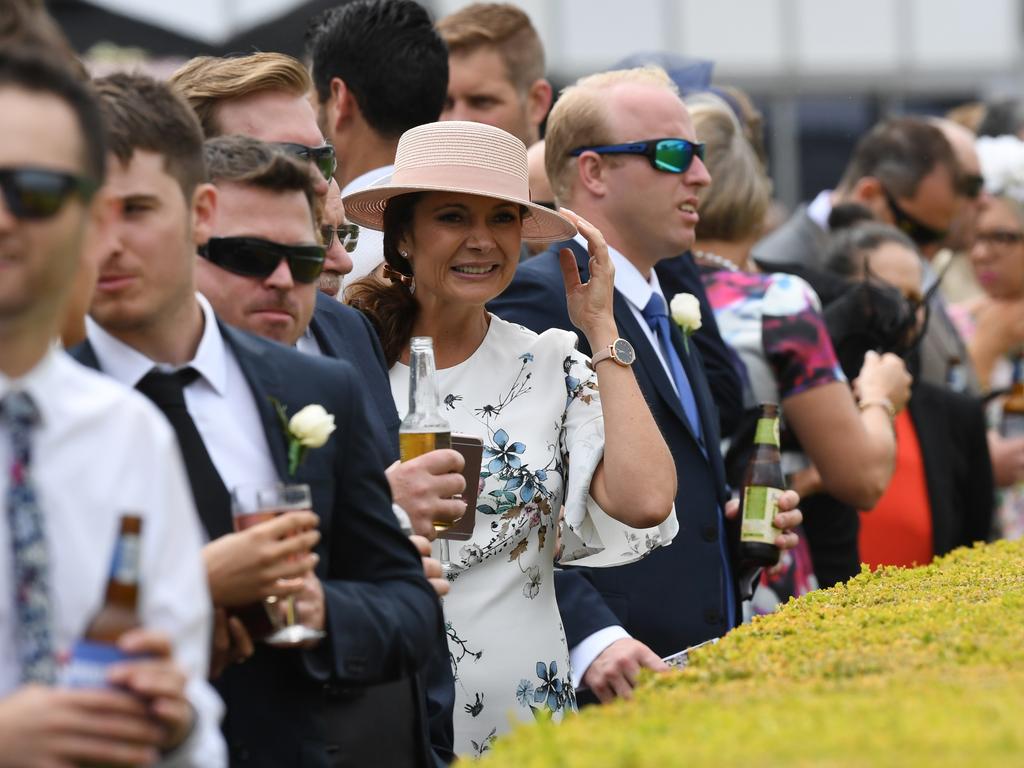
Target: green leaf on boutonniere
[(296, 453)]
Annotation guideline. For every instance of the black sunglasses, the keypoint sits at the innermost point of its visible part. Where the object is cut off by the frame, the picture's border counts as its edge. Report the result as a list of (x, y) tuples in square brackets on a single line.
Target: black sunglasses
[(323, 157), (39, 193), (668, 155), (347, 234), (970, 185), (256, 257), (920, 233)]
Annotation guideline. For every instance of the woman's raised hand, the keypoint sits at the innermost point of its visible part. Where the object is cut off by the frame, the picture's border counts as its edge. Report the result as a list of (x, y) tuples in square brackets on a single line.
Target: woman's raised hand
[(590, 303)]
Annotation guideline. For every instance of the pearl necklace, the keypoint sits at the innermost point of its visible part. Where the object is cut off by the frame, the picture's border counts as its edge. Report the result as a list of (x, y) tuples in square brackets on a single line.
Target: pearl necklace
[(714, 259)]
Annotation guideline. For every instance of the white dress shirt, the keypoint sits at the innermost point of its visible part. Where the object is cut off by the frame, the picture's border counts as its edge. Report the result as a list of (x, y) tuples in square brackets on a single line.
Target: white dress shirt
[(219, 401), (100, 451), (637, 291), (369, 252)]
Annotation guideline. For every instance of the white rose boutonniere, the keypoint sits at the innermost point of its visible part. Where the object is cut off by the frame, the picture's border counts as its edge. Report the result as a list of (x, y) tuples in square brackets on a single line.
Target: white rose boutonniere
[(309, 428), (685, 311)]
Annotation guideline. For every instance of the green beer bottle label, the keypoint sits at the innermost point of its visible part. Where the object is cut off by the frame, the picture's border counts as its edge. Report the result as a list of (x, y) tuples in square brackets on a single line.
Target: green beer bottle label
[(767, 432), (760, 505)]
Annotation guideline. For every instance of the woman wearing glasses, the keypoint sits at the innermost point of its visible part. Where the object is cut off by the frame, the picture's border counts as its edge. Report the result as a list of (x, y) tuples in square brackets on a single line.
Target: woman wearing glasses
[(993, 324), (774, 322), (454, 215)]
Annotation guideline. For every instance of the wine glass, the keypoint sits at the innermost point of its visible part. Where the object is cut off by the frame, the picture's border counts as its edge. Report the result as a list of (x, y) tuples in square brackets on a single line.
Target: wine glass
[(255, 504)]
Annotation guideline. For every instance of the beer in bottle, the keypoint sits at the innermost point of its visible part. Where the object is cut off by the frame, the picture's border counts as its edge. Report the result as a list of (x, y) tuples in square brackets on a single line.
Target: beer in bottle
[(97, 649), (424, 427), (1012, 422), (762, 486)]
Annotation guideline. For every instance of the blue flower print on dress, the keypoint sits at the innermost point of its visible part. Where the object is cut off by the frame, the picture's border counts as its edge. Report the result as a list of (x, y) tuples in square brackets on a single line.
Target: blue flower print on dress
[(505, 455), (551, 690)]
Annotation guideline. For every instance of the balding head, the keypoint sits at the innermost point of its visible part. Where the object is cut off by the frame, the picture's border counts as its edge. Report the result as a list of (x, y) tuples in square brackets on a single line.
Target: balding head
[(970, 183)]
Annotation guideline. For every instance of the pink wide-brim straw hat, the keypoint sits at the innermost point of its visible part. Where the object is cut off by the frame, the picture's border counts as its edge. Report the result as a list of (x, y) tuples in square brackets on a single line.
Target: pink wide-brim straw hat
[(464, 157)]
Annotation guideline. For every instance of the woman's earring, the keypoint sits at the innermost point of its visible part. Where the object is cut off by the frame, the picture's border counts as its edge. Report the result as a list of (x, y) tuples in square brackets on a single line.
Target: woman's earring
[(404, 255)]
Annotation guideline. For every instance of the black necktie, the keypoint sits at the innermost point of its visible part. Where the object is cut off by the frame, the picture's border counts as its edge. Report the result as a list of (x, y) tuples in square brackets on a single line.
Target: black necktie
[(167, 391)]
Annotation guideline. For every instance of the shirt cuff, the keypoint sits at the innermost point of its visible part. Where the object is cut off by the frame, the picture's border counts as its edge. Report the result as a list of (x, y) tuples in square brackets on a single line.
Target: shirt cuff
[(403, 519), (583, 653)]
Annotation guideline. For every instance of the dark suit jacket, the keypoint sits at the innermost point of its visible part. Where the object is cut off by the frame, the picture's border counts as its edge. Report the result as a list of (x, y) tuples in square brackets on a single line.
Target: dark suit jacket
[(675, 596), (798, 241), (346, 334), (378, 603), (951, 430)]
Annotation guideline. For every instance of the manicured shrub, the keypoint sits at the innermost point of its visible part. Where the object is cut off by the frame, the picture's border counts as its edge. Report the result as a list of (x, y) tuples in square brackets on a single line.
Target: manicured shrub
[(920, 667)]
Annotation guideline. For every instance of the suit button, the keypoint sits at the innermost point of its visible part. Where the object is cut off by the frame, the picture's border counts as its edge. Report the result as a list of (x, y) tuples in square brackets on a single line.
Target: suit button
[(713, 616), (709, 533), (239, 754)]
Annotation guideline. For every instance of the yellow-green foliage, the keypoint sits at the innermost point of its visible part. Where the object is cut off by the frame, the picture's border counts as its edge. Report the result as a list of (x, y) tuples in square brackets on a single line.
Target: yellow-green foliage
[(919, 667)]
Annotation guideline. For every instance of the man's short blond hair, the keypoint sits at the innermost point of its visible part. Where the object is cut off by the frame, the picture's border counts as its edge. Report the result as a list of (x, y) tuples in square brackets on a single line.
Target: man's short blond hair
[(580, 119), (208, 81), (734, 207), (505, 28)]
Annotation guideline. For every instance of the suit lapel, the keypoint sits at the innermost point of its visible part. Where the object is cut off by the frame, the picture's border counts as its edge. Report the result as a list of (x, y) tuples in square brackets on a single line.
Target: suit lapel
[(265, 383), (324, 339)]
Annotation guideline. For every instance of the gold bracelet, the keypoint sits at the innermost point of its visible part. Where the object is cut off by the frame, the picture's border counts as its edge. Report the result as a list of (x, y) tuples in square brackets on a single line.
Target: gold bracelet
[(884, 402)]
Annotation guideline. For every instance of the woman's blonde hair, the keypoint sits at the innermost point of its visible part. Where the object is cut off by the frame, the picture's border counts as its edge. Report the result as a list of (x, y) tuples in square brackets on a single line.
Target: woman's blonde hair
[(734, 206)]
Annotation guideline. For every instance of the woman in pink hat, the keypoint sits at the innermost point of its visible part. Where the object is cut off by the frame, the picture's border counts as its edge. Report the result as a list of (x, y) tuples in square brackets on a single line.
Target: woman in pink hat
[(454, 215)]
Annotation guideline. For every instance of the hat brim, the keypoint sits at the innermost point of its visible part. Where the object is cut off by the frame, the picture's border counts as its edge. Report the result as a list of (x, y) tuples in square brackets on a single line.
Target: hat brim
[(540, 224)]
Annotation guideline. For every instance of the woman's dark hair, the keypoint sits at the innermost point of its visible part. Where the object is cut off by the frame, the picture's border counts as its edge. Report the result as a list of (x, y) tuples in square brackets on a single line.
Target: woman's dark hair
[(847, 251), (389, 304)]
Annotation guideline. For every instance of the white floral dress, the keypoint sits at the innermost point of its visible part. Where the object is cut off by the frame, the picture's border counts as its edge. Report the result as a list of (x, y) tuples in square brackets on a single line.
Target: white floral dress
[(534, 402)]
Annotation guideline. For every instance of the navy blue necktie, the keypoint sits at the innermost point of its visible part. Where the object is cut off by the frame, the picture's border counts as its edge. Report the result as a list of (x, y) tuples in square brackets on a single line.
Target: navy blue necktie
[(656, 315), (29, 554)]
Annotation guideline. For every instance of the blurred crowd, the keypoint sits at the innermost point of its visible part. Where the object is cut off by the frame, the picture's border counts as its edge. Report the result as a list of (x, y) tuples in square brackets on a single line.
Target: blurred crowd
[(220, 283)]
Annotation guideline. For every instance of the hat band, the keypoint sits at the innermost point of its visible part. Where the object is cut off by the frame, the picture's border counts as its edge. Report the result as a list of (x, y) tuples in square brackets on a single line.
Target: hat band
[(478, 181)]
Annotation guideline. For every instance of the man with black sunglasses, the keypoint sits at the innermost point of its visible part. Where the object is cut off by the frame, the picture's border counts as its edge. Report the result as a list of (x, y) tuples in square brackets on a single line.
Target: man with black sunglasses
[(221, 389)]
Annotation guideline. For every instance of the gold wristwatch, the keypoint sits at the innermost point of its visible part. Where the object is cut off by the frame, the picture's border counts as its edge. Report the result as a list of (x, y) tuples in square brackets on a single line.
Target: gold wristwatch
[(619, 351)]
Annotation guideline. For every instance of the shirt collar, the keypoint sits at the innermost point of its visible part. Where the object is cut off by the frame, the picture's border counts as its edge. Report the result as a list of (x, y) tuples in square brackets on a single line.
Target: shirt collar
[(360, 183), (820, 208), (628, 280), (128, 365), (38, 383)]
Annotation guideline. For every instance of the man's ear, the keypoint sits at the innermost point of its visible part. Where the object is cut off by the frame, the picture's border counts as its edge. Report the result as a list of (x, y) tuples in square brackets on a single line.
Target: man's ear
[(341, 106), (870, 193), (204, 212), (538, 102), (590, 174)]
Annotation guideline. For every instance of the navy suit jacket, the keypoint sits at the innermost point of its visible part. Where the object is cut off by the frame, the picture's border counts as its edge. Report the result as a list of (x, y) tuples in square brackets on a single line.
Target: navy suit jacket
[(378, 604), (674, 597), (345, 333)]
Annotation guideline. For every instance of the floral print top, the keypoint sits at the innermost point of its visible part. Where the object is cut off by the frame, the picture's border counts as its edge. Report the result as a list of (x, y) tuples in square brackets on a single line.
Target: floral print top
[(775, 324), (534, 401)]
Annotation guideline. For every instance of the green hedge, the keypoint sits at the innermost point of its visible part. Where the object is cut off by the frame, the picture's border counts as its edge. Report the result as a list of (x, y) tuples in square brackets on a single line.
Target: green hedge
[(920, 667)]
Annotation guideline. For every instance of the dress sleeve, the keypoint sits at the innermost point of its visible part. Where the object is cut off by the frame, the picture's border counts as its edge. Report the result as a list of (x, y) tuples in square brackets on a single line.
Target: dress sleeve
[(796, 342), (590, 537)]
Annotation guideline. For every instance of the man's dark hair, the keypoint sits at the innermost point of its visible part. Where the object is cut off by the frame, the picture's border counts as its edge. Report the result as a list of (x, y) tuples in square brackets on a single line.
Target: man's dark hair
[(899, 152), (390, 57), (1002, 118), (144, 114), (248, 161), (28, 70), (26, 23)]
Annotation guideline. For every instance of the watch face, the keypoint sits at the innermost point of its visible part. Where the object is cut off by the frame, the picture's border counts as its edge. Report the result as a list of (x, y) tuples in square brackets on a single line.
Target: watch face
[(623, 352)]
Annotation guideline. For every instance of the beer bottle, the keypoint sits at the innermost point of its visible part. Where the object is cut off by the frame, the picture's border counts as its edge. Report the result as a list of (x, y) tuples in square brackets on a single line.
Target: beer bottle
[(762, 485), (1012, 422), (97, 648), (424, 427)]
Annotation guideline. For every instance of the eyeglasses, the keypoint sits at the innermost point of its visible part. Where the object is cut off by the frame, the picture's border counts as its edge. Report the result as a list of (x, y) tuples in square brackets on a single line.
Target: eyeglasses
[(920, 233), (323, 157), (668, 155), (1004, 237), (970, 185), (348, 235), (256, 257), (39, 193)]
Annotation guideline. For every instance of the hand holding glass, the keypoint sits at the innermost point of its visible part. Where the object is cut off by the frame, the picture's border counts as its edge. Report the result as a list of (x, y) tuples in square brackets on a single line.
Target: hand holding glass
[(253, 505)]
